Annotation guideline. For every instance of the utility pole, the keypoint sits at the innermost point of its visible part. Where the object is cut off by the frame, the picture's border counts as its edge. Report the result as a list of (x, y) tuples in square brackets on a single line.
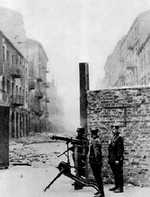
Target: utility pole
[(84, 87)]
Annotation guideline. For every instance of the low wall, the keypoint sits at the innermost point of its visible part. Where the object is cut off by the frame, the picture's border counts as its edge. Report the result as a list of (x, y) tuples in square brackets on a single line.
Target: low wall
[(130, 108)]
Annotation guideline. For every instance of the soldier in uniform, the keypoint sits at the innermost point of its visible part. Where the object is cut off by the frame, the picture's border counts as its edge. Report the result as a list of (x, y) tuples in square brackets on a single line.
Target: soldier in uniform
[(95, 160), (115, 159), (80, 152)]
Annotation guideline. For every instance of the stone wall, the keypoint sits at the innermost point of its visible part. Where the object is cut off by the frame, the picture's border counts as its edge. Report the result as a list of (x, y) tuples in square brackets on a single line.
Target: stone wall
[(130, 108)]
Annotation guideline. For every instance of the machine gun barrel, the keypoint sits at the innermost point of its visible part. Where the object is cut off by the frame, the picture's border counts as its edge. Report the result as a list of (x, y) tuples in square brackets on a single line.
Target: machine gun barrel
[(67, 139)]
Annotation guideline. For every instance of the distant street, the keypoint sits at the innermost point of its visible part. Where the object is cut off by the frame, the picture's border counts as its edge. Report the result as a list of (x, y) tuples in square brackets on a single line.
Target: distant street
[(29, 181)]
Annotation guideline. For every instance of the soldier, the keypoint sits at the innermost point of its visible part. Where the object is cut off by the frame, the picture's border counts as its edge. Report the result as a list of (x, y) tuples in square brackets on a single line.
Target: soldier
[(95, 160), (79, 156), (115, 159)]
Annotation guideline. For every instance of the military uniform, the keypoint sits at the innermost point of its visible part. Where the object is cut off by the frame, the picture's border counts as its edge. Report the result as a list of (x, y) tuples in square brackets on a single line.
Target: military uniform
[(95, 160), (115, 159), (80, 156)]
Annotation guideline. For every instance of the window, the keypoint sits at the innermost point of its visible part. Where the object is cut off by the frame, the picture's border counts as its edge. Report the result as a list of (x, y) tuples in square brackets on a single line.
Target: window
[(17, 59), (7, 56), (14, 59), (20, 91), (3, 84), (20, 60), (8, 86), (3, 51), (16, 90)]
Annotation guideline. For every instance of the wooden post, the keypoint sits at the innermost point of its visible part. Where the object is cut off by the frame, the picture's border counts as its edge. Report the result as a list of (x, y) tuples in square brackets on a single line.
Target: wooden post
[(84, 86)]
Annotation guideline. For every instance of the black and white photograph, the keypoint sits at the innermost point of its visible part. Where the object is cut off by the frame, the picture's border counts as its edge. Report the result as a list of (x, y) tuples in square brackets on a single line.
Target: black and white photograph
[(74, 98)]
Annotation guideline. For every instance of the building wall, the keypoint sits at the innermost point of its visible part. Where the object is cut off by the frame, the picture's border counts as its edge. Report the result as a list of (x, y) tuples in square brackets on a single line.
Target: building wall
[(14, 87), (128, 65), (37, 58), (130, 108)]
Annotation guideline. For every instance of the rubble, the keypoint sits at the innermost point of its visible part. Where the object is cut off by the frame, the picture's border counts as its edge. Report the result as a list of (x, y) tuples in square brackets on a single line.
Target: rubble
[(27, 151), (31, 180)]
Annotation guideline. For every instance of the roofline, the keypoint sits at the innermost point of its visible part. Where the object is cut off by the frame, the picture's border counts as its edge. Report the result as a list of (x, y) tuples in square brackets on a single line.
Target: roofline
[(12, 45), (40, 45)]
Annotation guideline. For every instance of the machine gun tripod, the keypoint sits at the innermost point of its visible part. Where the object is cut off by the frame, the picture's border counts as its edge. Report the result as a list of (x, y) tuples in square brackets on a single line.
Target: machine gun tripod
[(65, 167)]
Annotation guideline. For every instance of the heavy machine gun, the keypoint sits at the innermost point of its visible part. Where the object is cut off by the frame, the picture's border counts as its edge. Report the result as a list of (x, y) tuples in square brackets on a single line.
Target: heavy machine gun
[(65, 167), (68, 139), (73, 141)]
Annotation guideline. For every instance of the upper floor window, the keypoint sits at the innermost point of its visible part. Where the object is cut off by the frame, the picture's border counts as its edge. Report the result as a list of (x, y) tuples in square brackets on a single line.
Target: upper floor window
[(7, 56), (14, 59), (3, 52), (20, 60), (3, 84), (17, 59), (8, 86)]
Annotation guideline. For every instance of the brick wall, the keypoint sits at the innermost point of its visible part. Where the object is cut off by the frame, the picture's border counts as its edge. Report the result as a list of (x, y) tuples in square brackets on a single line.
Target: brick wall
[(130, 108)]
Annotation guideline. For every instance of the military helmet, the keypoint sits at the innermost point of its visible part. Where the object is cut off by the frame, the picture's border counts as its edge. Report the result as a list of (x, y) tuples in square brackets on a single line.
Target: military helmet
[(80, 130)]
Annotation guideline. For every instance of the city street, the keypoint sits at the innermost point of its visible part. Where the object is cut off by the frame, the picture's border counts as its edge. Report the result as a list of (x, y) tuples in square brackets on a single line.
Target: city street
[(24, 180)]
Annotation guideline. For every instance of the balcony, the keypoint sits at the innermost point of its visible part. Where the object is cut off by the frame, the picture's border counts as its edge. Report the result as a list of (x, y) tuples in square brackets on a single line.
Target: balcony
[(16, 71), (17, 100)]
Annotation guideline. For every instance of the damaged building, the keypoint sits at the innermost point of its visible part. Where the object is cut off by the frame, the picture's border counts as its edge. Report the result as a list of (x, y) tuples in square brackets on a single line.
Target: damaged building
[(14, 87), (35, 79), (43, 114), (128, 65), (38, 99), (23, 76)]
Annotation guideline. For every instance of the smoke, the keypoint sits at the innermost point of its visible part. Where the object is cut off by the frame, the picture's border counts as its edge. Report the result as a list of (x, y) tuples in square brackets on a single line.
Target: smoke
[(72, 31)]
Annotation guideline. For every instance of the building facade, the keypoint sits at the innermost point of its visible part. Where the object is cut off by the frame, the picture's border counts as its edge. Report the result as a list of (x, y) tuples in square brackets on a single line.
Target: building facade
[(14, 87), (128, 65), (25, 91), (38, 85)]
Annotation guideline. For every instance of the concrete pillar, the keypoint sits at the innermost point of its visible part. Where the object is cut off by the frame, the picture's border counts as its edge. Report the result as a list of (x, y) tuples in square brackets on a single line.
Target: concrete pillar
[(84, 86)]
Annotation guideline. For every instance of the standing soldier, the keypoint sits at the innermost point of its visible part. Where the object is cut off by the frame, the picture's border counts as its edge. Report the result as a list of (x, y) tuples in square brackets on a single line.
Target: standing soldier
[(80, 155), (115, 159), (95, 160)]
